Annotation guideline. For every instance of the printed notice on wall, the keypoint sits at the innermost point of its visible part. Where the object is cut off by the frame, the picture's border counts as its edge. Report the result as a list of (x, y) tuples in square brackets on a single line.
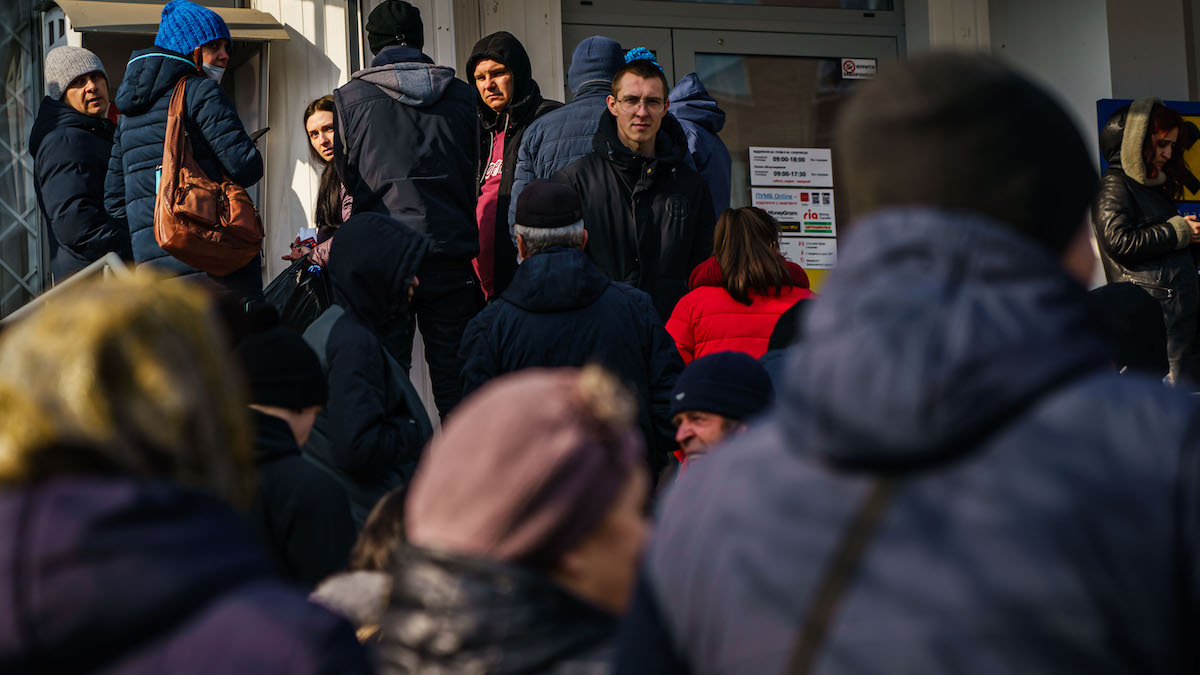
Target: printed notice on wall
[(807, 212), (801, 167), (810, 253), (859, 69)]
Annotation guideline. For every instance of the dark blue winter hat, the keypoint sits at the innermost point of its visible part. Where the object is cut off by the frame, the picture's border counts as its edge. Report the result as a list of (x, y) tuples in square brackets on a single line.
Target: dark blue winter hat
[(729, 384), (185, 26)]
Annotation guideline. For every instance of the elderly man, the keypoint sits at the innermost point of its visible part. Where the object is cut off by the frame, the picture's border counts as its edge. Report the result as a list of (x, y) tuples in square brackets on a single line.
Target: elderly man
[(561, 310), (650, 214), (714, 397), (509, 100), (70, 143)]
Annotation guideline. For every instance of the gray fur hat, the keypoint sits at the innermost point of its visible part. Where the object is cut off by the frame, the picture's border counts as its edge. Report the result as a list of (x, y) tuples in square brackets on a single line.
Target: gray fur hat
[(64, 64)]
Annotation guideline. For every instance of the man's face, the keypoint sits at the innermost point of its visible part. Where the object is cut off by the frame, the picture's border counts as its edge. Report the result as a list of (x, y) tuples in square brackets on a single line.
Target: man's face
[(495, 84), (88, 94), (639, 104), (697, 431), (216, 53)]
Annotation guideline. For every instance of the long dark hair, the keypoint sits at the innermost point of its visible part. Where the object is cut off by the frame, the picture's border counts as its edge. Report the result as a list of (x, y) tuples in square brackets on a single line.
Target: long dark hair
[(329, 190), (1163, 120), (746, 245)]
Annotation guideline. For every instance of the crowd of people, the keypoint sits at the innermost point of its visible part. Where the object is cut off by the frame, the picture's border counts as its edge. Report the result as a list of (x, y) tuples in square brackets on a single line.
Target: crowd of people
[(954, 459)]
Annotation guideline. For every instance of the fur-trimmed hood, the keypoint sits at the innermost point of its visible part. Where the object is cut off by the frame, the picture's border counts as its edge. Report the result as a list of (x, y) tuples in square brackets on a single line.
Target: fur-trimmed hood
[(1124, 136)]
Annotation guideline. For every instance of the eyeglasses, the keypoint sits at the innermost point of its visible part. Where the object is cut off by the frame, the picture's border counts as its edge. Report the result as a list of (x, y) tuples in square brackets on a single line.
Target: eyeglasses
[(653, 105)]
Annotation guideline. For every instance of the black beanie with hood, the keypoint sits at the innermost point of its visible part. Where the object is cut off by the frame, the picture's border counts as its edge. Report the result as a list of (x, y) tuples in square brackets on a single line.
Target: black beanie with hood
[(504, 47)]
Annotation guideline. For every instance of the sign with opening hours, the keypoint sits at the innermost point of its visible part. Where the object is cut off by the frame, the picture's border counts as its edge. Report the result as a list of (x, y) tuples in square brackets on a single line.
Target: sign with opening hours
[(802, 167)]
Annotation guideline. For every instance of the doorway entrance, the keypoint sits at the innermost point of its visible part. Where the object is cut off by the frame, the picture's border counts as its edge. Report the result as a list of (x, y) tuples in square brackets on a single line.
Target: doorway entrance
[(781, 93)]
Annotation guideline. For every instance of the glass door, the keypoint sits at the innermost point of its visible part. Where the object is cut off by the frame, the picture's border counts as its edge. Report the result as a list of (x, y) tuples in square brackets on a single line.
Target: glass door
[(781, 94)]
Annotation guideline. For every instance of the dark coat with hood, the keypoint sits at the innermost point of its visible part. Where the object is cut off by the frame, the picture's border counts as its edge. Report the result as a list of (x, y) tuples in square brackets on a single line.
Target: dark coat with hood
[(1143, 239), (560, 311), (219, 143), (496, 619), (702, 119), (70, 160), (301, 514), (649, 219), (526, 106), (1043, 507), (366, 434), (562, 136), (406, 133), (138, 577)]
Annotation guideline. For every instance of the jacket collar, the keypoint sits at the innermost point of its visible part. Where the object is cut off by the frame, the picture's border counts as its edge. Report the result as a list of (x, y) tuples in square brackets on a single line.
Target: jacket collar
[(555, 280)]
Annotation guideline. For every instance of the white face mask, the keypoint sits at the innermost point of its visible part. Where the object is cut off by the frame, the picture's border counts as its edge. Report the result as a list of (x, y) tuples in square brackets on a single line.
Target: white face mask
[(214, 73)]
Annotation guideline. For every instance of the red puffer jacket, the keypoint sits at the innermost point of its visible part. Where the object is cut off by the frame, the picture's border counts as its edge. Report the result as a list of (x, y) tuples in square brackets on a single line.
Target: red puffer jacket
[(708, 319)]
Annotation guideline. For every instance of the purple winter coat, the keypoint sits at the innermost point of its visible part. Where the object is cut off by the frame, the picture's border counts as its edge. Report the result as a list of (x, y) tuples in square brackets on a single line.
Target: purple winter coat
[(125, 576)]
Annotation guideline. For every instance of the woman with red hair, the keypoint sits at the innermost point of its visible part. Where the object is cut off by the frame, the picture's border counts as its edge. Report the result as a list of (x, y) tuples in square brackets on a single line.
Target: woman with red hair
[(738, 294), (1141, 235)]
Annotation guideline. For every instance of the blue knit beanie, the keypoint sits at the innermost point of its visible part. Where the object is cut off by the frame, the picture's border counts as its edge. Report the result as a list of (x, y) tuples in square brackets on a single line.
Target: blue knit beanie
[(185, 26), (729, 384)]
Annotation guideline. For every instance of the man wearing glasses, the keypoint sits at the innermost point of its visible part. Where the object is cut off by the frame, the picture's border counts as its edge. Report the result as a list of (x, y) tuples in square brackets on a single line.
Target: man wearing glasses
[(649, 215)]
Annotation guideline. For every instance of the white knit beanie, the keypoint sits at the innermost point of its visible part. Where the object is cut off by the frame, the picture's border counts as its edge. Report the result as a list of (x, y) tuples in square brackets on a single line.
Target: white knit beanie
[(64, 64)]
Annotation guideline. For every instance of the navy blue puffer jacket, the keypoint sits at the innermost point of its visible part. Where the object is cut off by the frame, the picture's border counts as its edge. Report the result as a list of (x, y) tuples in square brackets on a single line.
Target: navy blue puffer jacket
[(219, 143)]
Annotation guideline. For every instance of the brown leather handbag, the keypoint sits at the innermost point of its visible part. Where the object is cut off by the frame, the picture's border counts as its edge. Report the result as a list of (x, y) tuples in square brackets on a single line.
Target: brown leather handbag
[(212, 226)]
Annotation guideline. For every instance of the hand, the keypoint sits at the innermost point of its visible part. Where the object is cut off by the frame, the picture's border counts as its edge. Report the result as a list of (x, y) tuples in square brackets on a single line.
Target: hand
[(320, 254), (1194, 223), (297, 251)]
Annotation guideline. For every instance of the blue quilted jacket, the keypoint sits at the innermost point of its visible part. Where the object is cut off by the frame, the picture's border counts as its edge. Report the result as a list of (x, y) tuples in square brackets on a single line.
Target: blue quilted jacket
[(219, 143)]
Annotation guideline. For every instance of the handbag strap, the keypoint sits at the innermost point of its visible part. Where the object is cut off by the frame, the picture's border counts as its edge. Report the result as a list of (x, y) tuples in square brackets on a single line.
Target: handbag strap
[(838, 575)]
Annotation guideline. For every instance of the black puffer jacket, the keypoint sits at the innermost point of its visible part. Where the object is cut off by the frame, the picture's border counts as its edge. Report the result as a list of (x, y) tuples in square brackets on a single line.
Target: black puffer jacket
[(649, 219), (527, 106), (70, 160), (1143, 238), (455, 614), (562, 311), (366, 435), (406, 134)]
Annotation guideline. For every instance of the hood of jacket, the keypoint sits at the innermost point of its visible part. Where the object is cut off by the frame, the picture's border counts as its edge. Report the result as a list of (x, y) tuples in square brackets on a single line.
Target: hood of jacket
[(708, 273), (371, 261), (1124, 135), (556, 280), (670, 144), (691, 101), (150, 75), (100, 565), (936, 328), (408, 76), (454, 614), (58, 115), (594, 62), (273, 438), (502, 47)]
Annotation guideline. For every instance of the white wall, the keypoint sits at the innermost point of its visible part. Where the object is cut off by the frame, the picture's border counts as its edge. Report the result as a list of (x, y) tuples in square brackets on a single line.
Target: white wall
[(538, 25), (1064, 45), (1148, 48)]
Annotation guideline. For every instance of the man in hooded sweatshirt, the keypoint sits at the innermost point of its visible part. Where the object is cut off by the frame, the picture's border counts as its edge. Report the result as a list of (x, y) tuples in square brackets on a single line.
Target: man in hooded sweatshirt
[(562, 136), (702, 119), (70, 143), (406, 142), (649, 215), (509, 100), (371, 431), (953, 480), (191, 41)]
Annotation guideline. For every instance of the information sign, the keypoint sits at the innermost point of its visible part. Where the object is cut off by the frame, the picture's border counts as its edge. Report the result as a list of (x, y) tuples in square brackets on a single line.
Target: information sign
[(803, 167), (807, 212)]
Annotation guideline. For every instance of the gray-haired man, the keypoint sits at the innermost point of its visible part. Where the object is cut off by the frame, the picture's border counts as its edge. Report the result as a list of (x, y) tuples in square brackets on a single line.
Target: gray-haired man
[(561, 310)]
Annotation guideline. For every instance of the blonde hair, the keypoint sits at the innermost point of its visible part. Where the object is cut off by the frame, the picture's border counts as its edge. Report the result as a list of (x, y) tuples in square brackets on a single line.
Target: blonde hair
[(124, 376)]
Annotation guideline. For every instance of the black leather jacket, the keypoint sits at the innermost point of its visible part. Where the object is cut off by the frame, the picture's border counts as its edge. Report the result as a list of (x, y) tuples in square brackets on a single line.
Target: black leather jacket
[(1143, 239)]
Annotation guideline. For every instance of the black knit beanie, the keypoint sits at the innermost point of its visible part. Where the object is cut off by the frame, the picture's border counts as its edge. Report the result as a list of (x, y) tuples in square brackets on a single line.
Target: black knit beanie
[(729, 384), (966, 132), (282, 370), (395, 22)]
